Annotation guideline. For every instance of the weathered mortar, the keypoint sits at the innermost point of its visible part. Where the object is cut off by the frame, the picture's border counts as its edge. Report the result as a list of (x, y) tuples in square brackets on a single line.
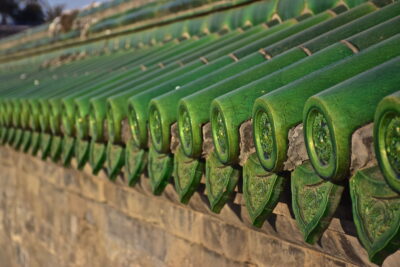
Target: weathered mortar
[(362, 148), (208, 144)]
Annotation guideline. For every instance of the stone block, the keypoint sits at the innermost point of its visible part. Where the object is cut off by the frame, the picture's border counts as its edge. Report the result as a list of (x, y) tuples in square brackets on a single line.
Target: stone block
[(274, 252), (53, 216), (92, 187)]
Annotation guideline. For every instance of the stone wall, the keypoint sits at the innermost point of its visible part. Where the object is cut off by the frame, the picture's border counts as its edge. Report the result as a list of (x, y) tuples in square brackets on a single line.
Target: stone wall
[(52, 216)]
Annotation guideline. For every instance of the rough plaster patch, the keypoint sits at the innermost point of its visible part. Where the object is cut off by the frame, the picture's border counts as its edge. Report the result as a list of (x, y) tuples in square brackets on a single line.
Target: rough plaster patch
[(126, 134), (362, 148), (148, 137), (105, 130), (174, 137), (246, 141), (208, 145), (297, 152), (63, 131)]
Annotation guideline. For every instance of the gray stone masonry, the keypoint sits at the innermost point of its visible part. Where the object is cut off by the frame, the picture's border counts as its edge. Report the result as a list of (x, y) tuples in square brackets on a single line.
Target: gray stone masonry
[(53, 216)]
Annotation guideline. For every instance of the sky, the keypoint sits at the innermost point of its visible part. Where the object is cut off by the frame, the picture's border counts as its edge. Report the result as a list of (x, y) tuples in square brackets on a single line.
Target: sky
[(70, 4)]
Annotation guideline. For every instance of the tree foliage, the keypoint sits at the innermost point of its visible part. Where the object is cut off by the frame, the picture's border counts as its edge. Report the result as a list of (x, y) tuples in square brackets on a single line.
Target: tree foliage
[(28, 12)]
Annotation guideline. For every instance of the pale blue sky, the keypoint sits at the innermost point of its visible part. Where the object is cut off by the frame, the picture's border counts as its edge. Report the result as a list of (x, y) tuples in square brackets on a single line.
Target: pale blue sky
[(69, 4)]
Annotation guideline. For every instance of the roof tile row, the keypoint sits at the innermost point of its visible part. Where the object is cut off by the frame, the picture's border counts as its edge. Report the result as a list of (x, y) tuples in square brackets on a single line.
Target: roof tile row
[(260, 105)]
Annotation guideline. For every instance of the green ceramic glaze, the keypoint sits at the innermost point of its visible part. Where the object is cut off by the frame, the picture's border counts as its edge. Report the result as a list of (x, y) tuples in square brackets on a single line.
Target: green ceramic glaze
[(221, 181), (123, 72), (261, 190), (100, 109), (115, 160), (268, 108), (138, 104), (82, 152), (387, 139), (118, 104), (45, 145), (97, 156), (135, 163), (187, 175), (376, 213), (314, 201), (36, 142), (159, 168), (56, 148), (38, 98), (235, 111), (17, 142), (68, 150), (4, 135), (212, 62), (328, 140), (26, 141), (287, 8), (10, 136), (166, 104), (96, 88)]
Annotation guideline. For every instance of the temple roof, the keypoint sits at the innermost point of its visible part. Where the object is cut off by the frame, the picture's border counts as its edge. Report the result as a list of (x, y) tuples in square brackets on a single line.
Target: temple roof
[(239, 96)]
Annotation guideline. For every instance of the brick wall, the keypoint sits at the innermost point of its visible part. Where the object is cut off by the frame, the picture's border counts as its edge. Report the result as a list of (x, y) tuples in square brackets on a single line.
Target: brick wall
[(52, 216)]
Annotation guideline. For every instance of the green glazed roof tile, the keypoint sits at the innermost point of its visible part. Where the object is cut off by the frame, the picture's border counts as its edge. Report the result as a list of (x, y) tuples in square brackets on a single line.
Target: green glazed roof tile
[(222, 95)]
